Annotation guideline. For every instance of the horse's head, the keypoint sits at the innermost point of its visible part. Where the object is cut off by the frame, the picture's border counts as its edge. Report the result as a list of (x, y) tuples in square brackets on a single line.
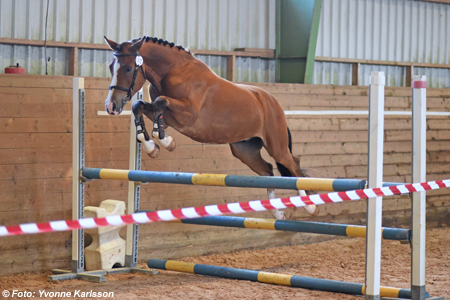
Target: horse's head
[(126, 80)]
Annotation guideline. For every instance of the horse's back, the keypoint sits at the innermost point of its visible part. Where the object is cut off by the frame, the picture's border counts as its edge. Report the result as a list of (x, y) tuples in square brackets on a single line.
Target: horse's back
[(200, 81), (228, 112)]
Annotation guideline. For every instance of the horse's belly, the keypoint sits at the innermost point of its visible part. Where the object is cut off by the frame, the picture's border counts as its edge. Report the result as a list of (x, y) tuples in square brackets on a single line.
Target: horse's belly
[(216, 134)]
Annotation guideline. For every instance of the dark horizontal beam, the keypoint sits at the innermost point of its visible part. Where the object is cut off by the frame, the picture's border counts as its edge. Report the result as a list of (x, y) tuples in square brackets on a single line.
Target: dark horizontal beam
[(273, 182), (398, 234), (275, 278)]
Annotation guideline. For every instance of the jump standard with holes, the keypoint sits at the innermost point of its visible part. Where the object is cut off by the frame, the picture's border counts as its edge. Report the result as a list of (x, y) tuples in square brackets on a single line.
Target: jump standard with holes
[(342, 190)]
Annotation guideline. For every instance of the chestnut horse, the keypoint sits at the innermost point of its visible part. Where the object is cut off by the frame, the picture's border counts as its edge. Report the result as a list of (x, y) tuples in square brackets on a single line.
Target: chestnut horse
[(188, 96)]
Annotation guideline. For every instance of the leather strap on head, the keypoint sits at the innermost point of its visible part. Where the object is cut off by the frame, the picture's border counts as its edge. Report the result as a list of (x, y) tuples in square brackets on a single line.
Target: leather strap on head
[(138, 64)]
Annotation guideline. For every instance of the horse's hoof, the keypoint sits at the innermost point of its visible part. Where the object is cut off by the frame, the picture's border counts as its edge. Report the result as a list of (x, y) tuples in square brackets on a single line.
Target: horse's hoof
[(168, 143), (155, 152), (313, 210), (147, 145), (172, 145), (289, 213), (278, 214)]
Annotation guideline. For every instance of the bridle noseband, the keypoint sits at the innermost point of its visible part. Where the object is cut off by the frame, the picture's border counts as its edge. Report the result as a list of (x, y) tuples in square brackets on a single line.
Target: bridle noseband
[(139, 61)]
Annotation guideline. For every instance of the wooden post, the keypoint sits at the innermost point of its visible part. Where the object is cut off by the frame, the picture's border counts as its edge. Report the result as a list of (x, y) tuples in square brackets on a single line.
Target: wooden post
[(409, 75), (231, 67), (73, 62), (355, 73)]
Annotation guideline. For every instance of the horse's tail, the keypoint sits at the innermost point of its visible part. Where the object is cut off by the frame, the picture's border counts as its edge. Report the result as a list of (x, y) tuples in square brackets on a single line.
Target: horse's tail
[(282, 169), (290, 140)]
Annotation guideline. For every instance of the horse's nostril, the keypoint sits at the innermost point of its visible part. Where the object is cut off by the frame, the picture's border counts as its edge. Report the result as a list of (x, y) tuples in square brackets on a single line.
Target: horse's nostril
[(113, 107)]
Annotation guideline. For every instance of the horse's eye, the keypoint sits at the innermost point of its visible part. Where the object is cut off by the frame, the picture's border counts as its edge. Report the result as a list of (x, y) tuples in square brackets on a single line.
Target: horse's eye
[(129, 69)]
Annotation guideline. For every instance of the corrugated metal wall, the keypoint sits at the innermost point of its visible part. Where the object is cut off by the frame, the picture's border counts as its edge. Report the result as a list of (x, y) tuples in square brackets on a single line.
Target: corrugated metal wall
[(394, 30), (194, 24), (247, 69)]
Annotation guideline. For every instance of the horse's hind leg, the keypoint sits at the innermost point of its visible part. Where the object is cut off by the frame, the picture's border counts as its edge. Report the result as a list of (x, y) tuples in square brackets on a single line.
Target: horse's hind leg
[(289, 165), (249, 152)]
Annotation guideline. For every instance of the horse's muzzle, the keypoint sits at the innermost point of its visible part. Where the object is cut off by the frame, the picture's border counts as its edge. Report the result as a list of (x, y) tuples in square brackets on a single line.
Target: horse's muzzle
[(112, 109)]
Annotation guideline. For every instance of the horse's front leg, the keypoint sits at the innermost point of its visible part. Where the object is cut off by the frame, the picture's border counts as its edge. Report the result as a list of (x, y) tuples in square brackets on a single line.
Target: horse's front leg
[(183, 113), (156, 114), (139, 108)]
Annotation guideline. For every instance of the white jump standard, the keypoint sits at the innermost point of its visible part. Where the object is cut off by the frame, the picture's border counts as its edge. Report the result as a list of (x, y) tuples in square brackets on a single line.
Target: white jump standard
[(78, 205)]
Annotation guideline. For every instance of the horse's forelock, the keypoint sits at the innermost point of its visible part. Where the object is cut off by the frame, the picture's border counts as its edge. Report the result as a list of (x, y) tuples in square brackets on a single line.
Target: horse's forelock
[(122, 46), (119, 48)]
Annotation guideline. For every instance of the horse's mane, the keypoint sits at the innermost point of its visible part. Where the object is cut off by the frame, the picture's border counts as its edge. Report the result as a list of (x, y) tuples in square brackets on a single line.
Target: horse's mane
[(155, 40)]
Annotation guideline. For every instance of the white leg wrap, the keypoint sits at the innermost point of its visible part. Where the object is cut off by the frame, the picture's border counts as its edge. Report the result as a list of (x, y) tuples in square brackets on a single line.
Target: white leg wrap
[(155, 133), (147, 146), (310, 209), (276, 213), (166, 141)]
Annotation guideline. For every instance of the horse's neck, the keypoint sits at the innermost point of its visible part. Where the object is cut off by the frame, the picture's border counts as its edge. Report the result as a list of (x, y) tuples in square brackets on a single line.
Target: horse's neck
[(159, 60)]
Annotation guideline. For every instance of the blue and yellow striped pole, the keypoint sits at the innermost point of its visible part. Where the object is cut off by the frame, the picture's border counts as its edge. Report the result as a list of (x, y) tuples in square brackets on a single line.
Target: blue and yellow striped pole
[(399, 234), (273, 278), (273, 182)]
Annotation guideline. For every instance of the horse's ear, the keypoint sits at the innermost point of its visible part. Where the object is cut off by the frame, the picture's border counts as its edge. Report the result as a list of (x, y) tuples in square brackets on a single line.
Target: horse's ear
[(113, 45), (137, 45)]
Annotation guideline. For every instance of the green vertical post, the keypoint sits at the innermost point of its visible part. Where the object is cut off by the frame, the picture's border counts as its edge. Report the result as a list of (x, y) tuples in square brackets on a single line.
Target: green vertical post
[(296, 39)]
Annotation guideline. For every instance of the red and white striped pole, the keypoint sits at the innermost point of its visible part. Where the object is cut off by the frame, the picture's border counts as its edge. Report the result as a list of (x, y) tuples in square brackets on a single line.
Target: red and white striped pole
[(217, 210)]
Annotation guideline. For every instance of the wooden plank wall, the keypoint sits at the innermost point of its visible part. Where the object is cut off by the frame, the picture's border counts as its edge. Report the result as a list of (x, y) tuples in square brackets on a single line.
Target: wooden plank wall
[(35, 159)]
